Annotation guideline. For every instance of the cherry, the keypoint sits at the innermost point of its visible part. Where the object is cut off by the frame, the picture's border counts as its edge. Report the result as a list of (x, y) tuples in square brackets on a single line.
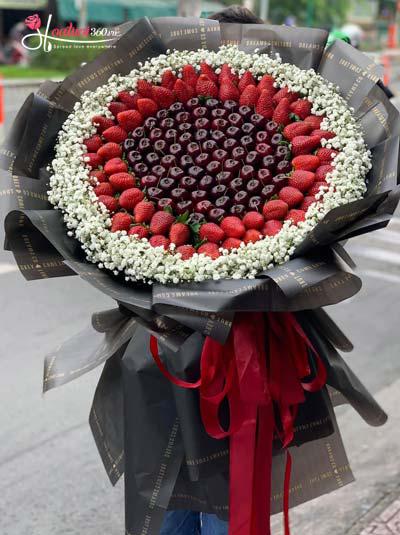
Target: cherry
[(238, 153), (168, 161), (245, 111), (231, 106), (152, 158), (165, 202), (257, 120), (230, 143), (247, 172), (218, 136), (207, 182), (129, 144), (255, 203), (262, 136), (282, 152), (167, 123), (276, 139), (184, 127), (183, 207), (212, 103), (155, 194), (196, 218), (264, 149), (176, 150), (213, 167), (201, 135), (241, 197), (170, 136), (159, 171), (247, 142), (224, 178), (138, 133), (182, 117), (268, 191), (233, 132), (188, 182), (219, 113), (196, 172), (150, 123), (185, 138), (237, 184), (149, 181), (235, 120), (264, 175), (280, 181), (186, 161), (238, 209), (248, 128), (232, 165), (272, 127), (176, 107), (203, 122), (176, 173), (200, 111), (160, 146), (134, 156), (202, 159), (269, 162), (252, 158), (167, 184), (216, 214), (284, 166), (193, 149), (254, 186), (155, 133), (191, 104), (223, 202), (218, 191), (140, 169), (179, 194), (162, 114), (219, 124), (204, 206), (198, 195), (220, 155), (145, 145), (209, 145)]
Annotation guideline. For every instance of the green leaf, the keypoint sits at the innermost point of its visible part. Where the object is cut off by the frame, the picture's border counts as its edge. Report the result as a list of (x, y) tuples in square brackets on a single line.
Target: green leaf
[(183, 218), (295, 117), (168, 209)]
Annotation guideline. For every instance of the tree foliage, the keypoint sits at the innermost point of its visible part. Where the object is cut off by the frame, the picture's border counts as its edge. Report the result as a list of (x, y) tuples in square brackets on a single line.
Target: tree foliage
[(319, 13)]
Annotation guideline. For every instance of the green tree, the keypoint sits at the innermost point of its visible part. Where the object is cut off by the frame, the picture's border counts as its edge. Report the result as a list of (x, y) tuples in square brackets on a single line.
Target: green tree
[(319, 13)]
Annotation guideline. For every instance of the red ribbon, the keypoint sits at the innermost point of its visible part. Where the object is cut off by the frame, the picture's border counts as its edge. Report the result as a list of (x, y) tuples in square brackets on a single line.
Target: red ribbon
[(261, 368)]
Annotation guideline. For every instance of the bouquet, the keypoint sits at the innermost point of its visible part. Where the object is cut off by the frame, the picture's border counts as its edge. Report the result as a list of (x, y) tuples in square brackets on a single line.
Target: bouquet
[(204, 176)]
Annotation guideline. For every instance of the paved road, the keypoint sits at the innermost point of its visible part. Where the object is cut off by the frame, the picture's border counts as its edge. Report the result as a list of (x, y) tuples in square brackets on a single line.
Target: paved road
[(51, 478)]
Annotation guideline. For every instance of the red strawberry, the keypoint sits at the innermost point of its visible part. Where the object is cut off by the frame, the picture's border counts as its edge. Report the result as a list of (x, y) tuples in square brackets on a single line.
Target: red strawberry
[(97, 176), (231, 243), (252, 235), (271, 227), (267, 82), (304, 145), (182, 91), (120, 221), (209, 249), (186, 251), (208, 71), (307, 162), (206, 88), (246, 79), (144, 211), (302, 180), (130, 197), (168, 79), (109, 202), (291, 196), (211, 232), (227, 74), (301, 108), (140, 231), (308, 201), (147, 107), (296, 216), (326, 155), (179, 234), (161, 222), (116, 107), (323, 134), (102, 123), (115, 165), (228, 91), (93, 143), (163, 96), (285, 93), (253, 220), (282, 112), (129, 120), (296, 129), (104, 188), (233, 227), (110, 150), (128, 99), (144, 88), (189, 75), (249, 97), (316, 187), (115, 134), (264, 104), (314, 120), (276, 209), (159, 241), (122, 181), (322, 171), (92, 159)]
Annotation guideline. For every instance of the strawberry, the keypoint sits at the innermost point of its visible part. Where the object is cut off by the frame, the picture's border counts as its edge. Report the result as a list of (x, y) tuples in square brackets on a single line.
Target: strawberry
[(110, 150), (291, 196), (159, 241), (314, 120), (128, 99), (208, 71), (316, 187), (211, 232), (285, 93), (271, 227), (139, 231), (120, 221), (323, 134), (228, 91), (144, 88), (116, 107), (296, 216), (144, 211), (245, 80), (253, 220), (102, 123), (326, 155), (252, 235), (209, 249), (147, 107), (168, 79), (92, 159), (231, 243), (249, 97), (130, 197), (97, 177), (276, 209), (267, 82), (296, 129), (189, 75), (129, 120), (264, 105), (161, 222), (227, 74), (104, 188), (233, 227), (115, 134), (122, 181), (109, 202), (304, 145), (308, 201), (307, 162), (322, 171), (186, 251), (282, 112), (301, 108), (206, 88), (163, 96), (93, 143), (115, 165), (179, 234), (182, 91), (302, 180)]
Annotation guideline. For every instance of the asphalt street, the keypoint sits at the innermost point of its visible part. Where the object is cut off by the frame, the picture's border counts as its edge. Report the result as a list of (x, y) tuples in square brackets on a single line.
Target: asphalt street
[(51, 478)]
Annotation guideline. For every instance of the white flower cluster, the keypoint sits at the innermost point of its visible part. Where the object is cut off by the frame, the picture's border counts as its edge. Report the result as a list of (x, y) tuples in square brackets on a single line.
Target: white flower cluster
[(89, 222)]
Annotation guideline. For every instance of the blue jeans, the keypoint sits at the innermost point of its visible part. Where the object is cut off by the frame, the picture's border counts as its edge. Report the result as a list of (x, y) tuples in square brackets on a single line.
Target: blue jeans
[(191, 523)]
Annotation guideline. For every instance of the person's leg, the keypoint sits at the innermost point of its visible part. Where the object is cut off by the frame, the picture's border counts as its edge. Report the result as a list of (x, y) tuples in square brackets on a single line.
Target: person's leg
[(181, 523), (212, 525)]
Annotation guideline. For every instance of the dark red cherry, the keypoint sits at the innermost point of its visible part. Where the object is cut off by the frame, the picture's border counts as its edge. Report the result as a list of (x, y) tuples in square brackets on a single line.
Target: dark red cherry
[(282, 152), (219, 124), (186, 161), (209, 146), (269, 162), (238, 210), (196, 172), (229, 144), (152, 158), (234, 132), (155, 134), (193, 149), (268, 191), (218, 191), (171, 136), (272, 127), (256, 203), (184, 127), (188, 182), (237, 184), (247, 143), (241, 197), (168, 161), (155, 194), (232, 165), (276, 139), (224, 178), (239, 153), (207, 182), (176, 150), (280, 181), (182, 117), (140, 169), (165, 202), (252, 158), (149, 181), (223, 202), (211, 103), (160, 146), (248, 129), (264, 175), (254, 187), (150, 123), (183, 207), (264, 149), (179, 194), (216, 214), (159, 171), (235, 120), (176, 173), (198, 195), (202, 159), (145, 145), (203, 122), (167, 123), (192, 104), (134, 156), (200, 111), (262, 137), (220, 155), (258, 120), (247, 172), (231, 106), (219, 113), (177, 107), (201, 135), (196, 218), (214, 167), (138, 133), (245, 112), (129, 144), (218, 136), (204, 206), (185, 138), (162, 114), (284, 166)]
